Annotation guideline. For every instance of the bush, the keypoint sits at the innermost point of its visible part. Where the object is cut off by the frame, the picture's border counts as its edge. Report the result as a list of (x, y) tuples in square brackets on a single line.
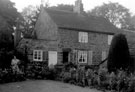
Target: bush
[(121, 81), (39, 70), (7, 75), (118, 54), (35, 71)]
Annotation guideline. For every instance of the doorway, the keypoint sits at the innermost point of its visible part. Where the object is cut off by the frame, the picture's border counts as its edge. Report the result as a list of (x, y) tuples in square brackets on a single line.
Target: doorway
[(65, 57)]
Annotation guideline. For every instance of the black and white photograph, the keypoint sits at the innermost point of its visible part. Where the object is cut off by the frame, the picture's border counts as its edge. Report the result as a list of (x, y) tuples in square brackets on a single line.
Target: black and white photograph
[(67, 46)]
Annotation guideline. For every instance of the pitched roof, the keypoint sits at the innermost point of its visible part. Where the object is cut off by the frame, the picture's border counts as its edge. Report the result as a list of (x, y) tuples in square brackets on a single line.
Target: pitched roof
[(71, 20)]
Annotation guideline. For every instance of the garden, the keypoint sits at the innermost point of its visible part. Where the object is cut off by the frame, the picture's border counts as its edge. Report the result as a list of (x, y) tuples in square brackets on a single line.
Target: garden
[(84, 76)]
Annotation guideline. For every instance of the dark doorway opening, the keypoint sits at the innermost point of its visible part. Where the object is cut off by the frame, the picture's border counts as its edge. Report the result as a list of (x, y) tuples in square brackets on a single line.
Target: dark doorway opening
[(65, 57)]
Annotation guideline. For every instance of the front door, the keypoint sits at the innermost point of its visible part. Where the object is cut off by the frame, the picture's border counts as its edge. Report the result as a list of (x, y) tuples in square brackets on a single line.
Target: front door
[(65, 57), (52, 58)]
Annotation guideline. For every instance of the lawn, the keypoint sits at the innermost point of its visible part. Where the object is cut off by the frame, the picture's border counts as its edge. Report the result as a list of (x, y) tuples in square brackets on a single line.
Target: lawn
[(42, 86)]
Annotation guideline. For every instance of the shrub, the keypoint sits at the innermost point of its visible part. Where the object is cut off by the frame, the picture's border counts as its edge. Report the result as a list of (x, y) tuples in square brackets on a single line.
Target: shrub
[(120, 81), (34, 71), (7, 75), (118, 53), (40, 70), (103, 80)]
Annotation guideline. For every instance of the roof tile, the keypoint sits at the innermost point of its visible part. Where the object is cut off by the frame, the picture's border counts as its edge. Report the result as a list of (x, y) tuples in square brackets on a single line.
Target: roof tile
[(73, 20)]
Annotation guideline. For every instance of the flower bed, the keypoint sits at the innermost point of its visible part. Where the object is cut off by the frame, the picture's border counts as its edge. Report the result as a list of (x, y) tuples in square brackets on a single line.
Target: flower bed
[(7, 75), (40, 71), (33, 71), (121, 81)]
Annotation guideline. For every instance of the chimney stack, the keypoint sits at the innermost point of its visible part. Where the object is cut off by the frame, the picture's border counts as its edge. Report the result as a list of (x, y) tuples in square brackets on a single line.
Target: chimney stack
[(78, 8)]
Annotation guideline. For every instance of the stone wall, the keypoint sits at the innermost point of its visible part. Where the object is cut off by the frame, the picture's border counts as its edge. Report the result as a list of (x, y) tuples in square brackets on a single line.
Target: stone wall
[(97, 42), (32, 44)]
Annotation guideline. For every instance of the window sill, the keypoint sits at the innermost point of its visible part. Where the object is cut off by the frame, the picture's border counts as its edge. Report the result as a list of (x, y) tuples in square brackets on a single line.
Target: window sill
[(82, 63), (83, 42), (38, 60)]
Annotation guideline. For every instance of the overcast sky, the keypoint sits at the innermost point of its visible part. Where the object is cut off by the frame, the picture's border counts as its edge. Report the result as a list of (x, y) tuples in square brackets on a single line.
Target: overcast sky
[(88, 4)]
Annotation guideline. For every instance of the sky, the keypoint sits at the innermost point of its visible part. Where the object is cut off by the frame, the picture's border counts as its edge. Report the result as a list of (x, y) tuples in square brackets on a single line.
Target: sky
[(88, 4)]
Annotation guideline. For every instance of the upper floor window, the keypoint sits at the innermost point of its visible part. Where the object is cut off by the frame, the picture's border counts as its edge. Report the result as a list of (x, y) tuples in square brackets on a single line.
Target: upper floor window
[(83, 37), (110, 39), (37, 55)]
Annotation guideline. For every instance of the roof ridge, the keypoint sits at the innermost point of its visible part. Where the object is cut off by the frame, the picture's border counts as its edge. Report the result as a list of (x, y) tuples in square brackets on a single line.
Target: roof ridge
[(128, 30), (59, 10)]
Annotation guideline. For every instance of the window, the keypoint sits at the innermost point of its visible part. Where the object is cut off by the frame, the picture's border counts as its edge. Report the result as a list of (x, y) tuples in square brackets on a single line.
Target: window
[(103, 55), (37, 55), (82, 56), (83, 37), (110, 39)]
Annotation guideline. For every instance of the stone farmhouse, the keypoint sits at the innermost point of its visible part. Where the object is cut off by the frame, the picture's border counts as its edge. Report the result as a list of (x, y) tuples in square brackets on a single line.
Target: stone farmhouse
[(63, 36)]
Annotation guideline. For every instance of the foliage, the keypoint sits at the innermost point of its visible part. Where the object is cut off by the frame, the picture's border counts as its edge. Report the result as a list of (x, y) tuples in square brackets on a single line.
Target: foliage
[(121, 81), (40, 71), (8, 20), (30, 15), (118, 53), (115, 13), (63, 7), (4, 61), (7, 75), (6, 39), (9, 13), (6, 48)]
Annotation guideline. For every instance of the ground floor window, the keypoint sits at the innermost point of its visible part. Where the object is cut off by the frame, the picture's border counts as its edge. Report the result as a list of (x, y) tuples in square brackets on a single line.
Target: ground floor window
[(82, 56), (37, 55)]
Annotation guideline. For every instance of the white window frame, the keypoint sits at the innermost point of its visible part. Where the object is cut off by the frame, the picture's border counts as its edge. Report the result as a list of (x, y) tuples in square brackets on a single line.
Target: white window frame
[(83, 37), (39, 54), (82, 55), (110, 37)]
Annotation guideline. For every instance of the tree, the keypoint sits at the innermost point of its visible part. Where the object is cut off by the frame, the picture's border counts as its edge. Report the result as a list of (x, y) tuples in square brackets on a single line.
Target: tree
[(6, 44), (6, 48), (9, 13), (63, 7), (115, 13), (118, 54), (30, 15), (8, 17)]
